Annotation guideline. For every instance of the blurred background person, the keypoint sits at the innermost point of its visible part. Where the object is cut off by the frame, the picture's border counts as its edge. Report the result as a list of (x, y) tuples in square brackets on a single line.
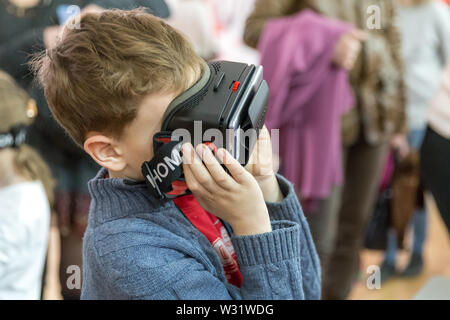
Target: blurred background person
[(229, 21), (195, 20), (307, 74), (435, 152), (214, 27), (26, 192), (367, 129), (425, 30), (27, 26)]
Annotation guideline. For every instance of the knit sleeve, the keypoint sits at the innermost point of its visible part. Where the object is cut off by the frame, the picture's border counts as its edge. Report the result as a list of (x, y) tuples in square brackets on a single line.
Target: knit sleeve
[(269, 264), (272, 265), (290, 209)]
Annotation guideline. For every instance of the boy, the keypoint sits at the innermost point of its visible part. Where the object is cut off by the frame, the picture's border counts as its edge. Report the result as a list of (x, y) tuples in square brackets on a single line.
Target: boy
[(108, 84)]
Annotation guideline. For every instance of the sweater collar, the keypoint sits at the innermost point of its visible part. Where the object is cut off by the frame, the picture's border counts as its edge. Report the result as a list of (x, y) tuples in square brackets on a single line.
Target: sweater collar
[(114, 198)]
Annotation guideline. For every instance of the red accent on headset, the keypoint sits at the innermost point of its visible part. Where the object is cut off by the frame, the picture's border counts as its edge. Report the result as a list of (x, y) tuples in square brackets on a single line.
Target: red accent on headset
[(178, 188), (236, 85), (165, 140), (212, 146)]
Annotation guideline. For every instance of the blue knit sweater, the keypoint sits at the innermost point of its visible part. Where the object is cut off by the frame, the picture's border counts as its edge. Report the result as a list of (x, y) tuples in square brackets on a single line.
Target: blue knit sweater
[(137, 247)]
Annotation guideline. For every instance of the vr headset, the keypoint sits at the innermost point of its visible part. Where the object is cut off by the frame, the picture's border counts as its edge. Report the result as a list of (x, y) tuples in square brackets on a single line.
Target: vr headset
[(225, 108)]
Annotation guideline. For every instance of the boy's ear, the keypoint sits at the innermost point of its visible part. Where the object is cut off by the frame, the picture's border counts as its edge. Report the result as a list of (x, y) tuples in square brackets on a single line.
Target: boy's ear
[(105, 152)]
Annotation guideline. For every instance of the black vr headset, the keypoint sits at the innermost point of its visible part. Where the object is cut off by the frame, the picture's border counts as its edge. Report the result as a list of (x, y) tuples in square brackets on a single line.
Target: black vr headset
[(228, 100)]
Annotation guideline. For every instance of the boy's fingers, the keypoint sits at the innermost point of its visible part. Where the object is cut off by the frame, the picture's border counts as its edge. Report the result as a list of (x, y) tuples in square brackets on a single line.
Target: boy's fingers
[(215, 169), (197, 168), (237, 171), (264, 134), (262, 153), (192, 182), (188, 153)]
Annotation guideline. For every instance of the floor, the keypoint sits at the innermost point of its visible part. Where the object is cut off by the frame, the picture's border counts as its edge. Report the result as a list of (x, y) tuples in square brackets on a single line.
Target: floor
[(437, 263)]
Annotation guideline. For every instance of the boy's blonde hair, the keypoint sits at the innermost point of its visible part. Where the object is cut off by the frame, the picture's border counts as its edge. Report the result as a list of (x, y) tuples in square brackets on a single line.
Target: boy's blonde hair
[(16, 108), (96, 76)]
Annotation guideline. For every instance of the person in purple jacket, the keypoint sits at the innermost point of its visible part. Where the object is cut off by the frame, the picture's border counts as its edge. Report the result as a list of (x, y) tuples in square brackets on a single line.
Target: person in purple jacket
[(339, 199), (239, 236), (308, 75)]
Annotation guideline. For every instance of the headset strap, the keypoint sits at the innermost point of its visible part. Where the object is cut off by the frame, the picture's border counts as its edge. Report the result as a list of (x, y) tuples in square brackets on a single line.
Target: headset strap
[(164, 173), (14, 138)]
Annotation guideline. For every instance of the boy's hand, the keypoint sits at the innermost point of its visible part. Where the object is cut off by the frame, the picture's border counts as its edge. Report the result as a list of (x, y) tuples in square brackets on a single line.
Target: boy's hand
[(237, 199), (260, 165)]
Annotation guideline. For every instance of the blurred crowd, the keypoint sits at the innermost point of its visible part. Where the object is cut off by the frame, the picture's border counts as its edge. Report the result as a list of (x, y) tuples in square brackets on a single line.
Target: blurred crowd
[(360, 90)]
